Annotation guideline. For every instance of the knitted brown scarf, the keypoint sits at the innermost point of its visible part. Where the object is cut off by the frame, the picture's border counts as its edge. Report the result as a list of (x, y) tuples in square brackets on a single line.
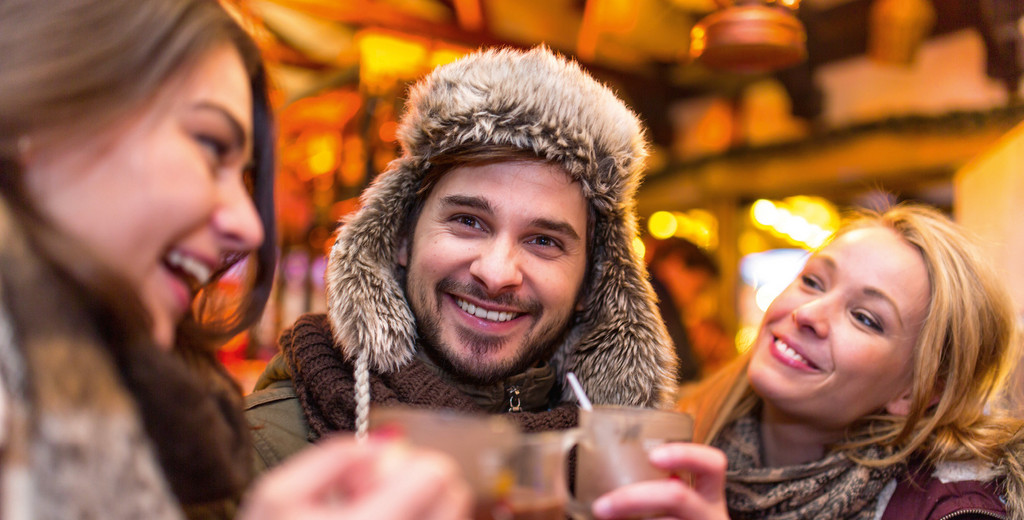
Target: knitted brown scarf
[(326, 386), (834, 487)]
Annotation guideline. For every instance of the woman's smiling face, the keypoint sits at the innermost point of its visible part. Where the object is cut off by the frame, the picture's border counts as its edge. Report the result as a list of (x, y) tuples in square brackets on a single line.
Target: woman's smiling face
[(161, 197), (838, 343)]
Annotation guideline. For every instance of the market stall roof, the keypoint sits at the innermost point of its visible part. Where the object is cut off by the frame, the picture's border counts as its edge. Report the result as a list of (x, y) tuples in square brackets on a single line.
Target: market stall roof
[(641, 47)]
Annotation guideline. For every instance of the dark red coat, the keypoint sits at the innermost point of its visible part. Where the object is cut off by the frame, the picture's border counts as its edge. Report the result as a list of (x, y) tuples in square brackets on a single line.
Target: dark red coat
[(924, 497)]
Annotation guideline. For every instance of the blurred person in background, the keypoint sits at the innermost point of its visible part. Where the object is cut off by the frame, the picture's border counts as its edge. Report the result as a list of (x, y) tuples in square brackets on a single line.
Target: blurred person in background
[(871, 392), (680, 273), (136, 169)]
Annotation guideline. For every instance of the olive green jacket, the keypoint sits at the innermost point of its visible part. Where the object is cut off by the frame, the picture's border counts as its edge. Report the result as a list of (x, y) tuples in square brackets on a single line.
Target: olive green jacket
[(277, 423), (280, 426)]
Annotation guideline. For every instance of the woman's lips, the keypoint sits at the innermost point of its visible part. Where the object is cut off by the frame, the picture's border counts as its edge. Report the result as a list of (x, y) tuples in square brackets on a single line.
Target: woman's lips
[(791, 356)]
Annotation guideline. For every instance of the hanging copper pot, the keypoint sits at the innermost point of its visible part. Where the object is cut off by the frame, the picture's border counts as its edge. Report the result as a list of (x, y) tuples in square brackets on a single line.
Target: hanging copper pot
[(754, 37)]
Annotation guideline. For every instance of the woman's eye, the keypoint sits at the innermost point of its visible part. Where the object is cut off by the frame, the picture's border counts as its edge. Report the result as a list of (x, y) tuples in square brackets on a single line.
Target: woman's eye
[(249, 178), (216, 148), (867, 320), (810, 281)]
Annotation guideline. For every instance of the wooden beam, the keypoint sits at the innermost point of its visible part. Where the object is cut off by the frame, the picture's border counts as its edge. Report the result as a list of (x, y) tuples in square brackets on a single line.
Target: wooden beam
[(364, 13), (874, 159)]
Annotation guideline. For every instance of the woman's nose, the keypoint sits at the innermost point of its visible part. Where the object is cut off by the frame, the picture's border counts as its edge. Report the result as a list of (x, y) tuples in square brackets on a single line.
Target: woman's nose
[(813, 315), (236, 220), (497, 266)]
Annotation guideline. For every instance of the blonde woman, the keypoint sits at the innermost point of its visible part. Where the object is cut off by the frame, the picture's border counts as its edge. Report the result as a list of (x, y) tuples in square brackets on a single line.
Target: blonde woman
[(870, 392)]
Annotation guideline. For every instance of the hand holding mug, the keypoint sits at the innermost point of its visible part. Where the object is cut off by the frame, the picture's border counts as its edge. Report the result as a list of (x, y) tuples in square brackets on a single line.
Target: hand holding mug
[(615, 443), (673, 497)]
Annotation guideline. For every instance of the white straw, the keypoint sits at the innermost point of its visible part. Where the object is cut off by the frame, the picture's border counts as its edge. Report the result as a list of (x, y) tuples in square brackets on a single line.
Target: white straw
[(578, 390)]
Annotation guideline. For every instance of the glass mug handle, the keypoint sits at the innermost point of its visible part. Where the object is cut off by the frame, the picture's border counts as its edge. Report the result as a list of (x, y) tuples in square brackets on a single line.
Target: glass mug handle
[(576, 508)]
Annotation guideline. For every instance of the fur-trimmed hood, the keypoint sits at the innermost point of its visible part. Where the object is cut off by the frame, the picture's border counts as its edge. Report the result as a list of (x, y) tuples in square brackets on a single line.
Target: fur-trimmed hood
[(542, 103)]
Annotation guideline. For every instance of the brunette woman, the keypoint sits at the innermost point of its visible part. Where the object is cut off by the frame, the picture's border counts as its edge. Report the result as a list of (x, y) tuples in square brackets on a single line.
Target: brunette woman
[(136, 172)]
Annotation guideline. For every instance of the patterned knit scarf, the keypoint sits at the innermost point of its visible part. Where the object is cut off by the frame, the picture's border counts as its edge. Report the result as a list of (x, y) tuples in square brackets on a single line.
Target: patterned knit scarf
[(831, 488)]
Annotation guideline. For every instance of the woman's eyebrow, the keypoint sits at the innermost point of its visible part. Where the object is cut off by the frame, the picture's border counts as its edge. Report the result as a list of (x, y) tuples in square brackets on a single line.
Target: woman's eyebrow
[(240, 134), (879, 295)]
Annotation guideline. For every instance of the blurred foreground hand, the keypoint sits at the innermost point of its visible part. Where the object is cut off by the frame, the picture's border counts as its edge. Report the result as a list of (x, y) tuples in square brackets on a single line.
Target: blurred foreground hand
[(340, 479)]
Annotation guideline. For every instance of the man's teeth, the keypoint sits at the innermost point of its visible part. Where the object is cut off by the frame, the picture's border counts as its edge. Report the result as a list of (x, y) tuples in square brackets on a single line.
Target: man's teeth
[(787, 351), (190, 265), (483, 313)]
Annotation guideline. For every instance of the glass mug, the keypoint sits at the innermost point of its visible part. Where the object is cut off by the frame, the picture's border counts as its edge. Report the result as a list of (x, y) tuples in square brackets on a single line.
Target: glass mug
[(613, 447), (535, 488), (513, 475)]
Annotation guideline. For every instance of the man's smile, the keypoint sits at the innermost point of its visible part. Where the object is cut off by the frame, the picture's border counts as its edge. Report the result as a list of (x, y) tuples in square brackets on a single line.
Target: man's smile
[(482, 313)]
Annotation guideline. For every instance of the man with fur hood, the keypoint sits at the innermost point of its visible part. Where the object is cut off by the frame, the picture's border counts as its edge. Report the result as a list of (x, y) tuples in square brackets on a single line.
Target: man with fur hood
[(490, 259)]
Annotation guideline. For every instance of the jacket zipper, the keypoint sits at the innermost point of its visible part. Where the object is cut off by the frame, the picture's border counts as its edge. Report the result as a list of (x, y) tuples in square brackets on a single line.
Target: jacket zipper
[(973, 512), (514, 403)]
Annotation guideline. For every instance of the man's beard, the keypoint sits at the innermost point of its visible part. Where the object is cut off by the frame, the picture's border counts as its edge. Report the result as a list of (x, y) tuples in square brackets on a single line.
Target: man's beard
[(537, 345)]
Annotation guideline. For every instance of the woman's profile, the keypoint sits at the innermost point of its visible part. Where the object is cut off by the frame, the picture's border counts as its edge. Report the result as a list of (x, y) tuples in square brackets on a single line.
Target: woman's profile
[(136, 171)]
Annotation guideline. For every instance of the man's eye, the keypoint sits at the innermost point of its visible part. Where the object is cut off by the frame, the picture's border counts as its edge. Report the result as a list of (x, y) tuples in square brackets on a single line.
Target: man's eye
[(545, 241), (468, 221)]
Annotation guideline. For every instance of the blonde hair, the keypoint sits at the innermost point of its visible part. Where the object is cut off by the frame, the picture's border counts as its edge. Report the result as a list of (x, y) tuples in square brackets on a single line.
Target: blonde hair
[(962, 357)]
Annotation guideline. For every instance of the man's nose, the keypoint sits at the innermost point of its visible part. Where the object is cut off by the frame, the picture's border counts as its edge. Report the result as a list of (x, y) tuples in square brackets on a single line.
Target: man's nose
[(497, 265)]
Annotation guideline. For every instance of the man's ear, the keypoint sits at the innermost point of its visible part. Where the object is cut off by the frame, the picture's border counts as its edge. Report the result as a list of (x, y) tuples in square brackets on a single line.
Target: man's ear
[(402, 254)]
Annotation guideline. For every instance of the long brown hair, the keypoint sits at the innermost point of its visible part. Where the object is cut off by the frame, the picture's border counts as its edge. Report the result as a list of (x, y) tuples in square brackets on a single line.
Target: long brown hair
[(962, 356)]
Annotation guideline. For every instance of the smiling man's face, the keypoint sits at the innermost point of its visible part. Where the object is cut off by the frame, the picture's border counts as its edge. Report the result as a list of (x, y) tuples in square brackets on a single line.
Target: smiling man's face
[(495, 266)]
